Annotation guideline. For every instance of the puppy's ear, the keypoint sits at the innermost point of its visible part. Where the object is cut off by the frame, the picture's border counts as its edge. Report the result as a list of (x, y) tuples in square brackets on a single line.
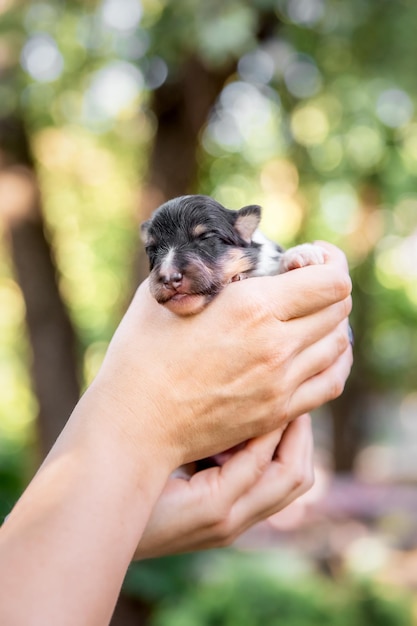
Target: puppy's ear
[(247, 221), (144, 232)]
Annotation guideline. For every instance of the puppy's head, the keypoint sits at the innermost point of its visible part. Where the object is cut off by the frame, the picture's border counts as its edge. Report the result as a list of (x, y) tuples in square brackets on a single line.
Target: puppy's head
[(195, 247)]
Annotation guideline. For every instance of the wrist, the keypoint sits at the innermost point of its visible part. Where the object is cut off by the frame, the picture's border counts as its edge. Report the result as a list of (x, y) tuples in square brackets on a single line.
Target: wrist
[(132, 441)]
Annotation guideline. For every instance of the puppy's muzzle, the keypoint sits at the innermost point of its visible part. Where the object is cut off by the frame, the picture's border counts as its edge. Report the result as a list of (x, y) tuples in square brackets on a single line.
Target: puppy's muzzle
[(171, 280)]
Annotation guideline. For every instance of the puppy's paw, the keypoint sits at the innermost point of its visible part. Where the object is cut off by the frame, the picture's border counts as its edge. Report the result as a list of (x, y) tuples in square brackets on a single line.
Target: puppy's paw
[(302, 255)]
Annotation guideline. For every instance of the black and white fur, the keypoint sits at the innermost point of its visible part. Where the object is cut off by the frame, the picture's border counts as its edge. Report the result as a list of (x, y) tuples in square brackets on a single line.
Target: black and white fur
[(196, 247)]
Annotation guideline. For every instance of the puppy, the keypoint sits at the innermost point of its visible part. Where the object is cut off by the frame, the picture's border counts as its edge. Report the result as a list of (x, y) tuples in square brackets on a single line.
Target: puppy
[(196, 247)]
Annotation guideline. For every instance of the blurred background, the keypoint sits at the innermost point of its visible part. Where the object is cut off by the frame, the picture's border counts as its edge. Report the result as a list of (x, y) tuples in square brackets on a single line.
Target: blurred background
[(307, 107)]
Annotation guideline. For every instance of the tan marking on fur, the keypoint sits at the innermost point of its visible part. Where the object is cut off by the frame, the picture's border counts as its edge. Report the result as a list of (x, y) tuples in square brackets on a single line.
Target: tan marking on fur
[(200, 229), (235, 263)]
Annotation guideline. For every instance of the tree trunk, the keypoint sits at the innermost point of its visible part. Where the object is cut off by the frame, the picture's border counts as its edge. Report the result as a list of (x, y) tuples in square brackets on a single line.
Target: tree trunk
[(130, 612), (349, 412), (52, 337), (349, 422), (181, 107)]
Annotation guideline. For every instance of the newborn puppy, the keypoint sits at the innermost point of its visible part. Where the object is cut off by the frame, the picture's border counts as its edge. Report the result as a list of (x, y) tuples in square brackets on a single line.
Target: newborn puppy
[(196, 247)]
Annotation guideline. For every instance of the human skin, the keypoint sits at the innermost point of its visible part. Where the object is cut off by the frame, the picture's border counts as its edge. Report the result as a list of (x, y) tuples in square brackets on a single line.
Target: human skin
[(218, 504), (172, 390)]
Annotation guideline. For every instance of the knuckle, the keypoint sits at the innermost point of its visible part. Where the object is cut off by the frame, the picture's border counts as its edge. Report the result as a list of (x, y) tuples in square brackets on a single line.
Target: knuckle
[(227, 541), (225, 532), (302, 478), (342, 339), (263, 461), (337, 386), (281, 410), (347, 305), (298, 478), (277, 356), (342, 285), (218, 516), (309, 480)]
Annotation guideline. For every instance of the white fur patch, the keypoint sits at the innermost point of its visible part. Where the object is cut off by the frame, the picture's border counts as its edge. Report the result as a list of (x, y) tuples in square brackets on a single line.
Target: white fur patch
[(269, 256), (167, 264)]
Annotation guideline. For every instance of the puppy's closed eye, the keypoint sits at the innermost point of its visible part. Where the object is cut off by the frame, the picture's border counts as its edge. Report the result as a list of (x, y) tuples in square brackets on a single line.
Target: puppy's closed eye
[(202, 232), (206, 235)]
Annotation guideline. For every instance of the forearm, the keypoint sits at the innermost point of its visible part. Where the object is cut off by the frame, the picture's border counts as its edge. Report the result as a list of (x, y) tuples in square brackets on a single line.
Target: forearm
[(67, 544)]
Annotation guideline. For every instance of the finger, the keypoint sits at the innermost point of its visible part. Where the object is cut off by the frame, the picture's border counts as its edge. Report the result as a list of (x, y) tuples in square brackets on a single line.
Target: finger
[(320, 355), (311, 289), (206, 518), (295, 459), (245, 467), (287, 476), (292, 465), (325, 386), (208, 498), (319, 324), (222, 486), (296, 442), (297, 293)]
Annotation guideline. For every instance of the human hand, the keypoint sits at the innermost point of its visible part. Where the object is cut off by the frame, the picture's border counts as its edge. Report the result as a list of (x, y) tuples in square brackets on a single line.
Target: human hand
[(217, 505), (172, 390), (263, 352)]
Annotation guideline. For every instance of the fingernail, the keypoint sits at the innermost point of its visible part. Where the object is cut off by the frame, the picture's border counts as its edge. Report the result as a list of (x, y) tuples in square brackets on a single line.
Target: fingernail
[(351, 336)]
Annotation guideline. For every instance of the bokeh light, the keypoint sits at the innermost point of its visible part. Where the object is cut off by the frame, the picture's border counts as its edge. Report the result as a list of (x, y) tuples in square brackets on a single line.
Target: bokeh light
[(409, 147), (364, 146), (309, 125), (366, 555), (339, 205), (328, 154), (302, 77), (113, 90), (305, 12), (155, 73), (122, 15), (40, 16), (245, 119), (394, 108), (282, 211), (42, 59), (396, 261), (256, 67)]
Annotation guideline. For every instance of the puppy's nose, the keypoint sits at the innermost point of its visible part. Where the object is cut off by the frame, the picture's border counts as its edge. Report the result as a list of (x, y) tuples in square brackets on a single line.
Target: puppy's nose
[(171, 280)]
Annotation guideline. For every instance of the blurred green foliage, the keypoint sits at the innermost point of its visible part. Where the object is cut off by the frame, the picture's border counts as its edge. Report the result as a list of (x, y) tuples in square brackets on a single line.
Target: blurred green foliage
[(316, 123), (249, 589)]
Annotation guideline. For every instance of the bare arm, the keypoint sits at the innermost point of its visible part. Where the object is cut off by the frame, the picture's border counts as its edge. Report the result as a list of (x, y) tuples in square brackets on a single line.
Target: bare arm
[(265, 351)]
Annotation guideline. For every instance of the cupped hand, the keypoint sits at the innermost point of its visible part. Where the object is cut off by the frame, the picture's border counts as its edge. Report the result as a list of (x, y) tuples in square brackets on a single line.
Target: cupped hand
[(216, 505), (263, 352)]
